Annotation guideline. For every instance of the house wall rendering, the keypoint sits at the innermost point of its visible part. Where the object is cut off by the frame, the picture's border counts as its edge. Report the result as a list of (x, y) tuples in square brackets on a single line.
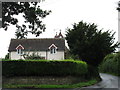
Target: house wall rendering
[(59, 55), (15, 56)]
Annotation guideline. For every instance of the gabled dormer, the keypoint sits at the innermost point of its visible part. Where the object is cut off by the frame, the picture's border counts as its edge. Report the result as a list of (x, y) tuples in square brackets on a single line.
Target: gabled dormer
[(20, 49), (53, 49)]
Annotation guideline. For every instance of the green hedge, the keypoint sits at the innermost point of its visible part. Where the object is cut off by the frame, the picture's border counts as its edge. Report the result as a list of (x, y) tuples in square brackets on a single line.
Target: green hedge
[(110, 64), (43, 68)]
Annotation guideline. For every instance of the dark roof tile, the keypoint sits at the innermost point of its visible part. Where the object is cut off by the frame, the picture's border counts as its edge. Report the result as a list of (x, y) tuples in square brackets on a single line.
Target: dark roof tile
[(37, 44)]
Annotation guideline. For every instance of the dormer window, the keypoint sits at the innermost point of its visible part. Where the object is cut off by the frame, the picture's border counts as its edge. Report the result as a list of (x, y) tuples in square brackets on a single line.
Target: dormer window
[(53, 49), (19, 49)]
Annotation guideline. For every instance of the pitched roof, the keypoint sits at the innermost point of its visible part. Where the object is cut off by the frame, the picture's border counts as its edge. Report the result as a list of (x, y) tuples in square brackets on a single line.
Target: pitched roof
[(37, 44)]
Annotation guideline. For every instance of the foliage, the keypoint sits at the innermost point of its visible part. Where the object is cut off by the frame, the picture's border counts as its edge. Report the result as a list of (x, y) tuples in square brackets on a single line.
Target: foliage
[(32, 14), (69, 55), (110, 64), (7, 56), (81, 84), (118, 8), (33, 56), (93, 73), (44, 68), (90, 44)]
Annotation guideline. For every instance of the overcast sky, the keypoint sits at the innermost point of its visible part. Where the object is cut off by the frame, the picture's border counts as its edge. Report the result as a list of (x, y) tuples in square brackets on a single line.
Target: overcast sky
[(67, 12)]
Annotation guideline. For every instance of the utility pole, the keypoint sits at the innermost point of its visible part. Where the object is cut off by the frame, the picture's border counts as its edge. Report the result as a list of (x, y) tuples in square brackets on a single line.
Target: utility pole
[(119, 29), (118, 24), (0, 14)]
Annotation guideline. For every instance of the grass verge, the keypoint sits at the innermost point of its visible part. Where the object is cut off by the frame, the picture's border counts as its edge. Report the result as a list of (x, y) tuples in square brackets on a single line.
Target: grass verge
[(78, 85)]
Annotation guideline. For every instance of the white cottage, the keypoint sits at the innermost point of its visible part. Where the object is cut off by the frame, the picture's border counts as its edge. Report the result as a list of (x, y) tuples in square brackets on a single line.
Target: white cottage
[(48, 48)]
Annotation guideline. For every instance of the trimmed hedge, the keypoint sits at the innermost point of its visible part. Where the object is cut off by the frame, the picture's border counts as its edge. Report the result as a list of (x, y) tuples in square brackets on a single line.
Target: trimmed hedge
[(43, 68), (110, 64)]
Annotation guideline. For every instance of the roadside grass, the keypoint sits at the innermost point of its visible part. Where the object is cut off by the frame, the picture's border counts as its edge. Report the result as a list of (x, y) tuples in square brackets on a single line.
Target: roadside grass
[(78, 85)]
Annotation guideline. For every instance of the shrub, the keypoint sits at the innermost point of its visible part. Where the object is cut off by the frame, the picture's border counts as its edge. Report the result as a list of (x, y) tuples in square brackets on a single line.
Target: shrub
[(110, 64), (33, 56), (7, 56), (44, 68), (92, 73), (117, 59)]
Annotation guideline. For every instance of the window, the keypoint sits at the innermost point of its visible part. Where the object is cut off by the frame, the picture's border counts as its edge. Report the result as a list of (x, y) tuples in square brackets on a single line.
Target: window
[(19, 51), (53, 50)]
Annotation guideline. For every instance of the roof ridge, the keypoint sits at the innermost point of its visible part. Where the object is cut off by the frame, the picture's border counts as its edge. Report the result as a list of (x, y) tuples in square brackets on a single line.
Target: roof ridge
[(37, 44), (34, 38)]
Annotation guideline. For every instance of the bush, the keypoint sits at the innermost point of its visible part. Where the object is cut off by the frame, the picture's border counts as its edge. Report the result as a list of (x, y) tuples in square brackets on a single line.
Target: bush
[(33, 56), (92, 73), (7, 56), (110, 64), (44, 68)]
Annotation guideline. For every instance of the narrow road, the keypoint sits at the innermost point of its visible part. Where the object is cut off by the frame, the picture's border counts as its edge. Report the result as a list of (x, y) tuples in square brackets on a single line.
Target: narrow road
[(109, 82)]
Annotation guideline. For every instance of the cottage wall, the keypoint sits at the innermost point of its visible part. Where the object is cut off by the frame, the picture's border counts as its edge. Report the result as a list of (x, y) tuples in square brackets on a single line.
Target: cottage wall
[(40, 53), (59, 55), (15, 56)]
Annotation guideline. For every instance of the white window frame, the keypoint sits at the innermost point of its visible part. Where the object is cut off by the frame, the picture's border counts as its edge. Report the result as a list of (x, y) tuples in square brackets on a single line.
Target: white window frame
[(19, 51), (53, 50)]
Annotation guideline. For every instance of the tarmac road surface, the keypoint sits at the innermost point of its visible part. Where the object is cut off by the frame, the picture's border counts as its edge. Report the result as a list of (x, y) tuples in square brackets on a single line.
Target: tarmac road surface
[(109, 82)]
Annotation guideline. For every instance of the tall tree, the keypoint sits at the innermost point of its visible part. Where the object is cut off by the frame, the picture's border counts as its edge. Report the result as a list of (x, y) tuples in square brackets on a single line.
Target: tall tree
[(89, 43), (32, 13)]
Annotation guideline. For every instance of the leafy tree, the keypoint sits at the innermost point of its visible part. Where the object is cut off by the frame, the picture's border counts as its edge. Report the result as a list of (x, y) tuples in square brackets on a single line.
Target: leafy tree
[(118, 8), (31, 12), (89, 43)]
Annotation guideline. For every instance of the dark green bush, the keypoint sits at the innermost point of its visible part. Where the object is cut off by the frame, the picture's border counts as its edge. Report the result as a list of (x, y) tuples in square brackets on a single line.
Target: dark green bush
[(7, 56), (92, 73), (43, 68), (117, 59), (110, 64)]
